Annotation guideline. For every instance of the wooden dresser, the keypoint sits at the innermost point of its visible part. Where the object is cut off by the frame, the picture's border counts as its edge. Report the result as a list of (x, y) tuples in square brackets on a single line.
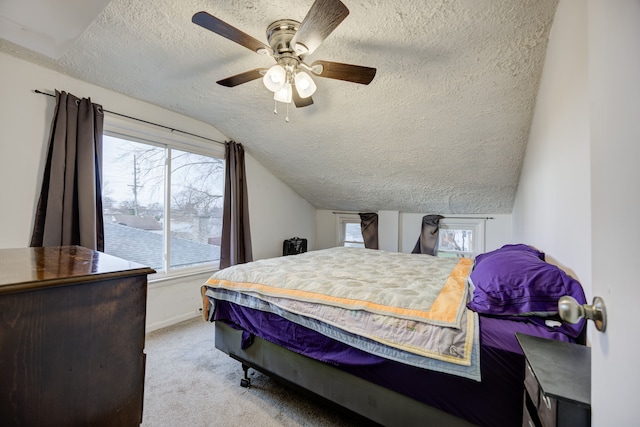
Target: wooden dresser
[(72, 328)]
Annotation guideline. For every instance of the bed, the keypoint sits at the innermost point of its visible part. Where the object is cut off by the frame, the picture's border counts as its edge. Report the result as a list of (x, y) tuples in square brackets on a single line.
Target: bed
[(402, 339)]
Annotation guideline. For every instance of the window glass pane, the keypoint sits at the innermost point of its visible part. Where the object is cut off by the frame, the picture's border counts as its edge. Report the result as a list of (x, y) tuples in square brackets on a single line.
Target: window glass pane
[(353, 245), (353, 235), (197, 190), (455, 242), (133, 201)]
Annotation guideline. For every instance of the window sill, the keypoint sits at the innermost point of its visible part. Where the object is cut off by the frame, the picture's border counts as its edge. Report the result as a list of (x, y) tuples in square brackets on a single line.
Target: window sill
[(160, 279)]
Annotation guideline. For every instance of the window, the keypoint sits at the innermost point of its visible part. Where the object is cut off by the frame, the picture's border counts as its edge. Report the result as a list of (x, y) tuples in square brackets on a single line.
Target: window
[(349, 231), (462, 238), (162, 199)]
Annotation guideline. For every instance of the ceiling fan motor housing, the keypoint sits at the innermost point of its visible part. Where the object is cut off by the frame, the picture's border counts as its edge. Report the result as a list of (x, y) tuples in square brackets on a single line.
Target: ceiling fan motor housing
[(279, 35)]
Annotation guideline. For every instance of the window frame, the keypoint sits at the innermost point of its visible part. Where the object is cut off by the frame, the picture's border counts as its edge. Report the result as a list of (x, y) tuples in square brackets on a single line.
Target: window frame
[(476, 225), (342, 220), (143, 133)]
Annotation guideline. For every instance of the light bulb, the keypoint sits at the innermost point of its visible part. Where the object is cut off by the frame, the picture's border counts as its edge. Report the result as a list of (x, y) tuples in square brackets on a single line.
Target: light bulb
[(284, 95), (305, 84), (275, 78)]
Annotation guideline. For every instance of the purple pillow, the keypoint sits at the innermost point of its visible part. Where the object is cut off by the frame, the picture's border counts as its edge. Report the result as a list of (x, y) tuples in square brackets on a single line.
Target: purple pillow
[(515, 280)]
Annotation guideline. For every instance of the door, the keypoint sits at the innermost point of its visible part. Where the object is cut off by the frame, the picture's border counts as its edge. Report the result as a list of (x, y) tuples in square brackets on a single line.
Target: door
[(614, 83)]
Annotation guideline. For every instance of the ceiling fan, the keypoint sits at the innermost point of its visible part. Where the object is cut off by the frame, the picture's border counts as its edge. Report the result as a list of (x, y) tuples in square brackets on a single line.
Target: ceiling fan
[(289, 42)]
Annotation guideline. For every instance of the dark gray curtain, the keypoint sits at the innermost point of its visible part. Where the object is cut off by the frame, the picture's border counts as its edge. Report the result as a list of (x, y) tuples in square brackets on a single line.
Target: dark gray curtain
[(428, 241), (69, 210), (369, 227), (235, 247)]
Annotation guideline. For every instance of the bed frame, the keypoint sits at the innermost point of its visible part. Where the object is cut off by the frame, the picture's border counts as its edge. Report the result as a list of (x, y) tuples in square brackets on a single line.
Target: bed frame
[(372, 401)]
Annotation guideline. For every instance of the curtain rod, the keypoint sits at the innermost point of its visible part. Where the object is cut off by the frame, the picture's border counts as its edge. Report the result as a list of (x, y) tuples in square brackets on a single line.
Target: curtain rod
[(446, 217), (144, 121), (469, 217)]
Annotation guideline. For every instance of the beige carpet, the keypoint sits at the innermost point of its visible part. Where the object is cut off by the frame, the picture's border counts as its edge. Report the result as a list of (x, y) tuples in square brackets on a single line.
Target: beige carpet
[(191, 383)]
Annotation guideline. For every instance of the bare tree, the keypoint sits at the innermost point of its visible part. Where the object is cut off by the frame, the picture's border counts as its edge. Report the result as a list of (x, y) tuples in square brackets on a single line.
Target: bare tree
[(193, 178)]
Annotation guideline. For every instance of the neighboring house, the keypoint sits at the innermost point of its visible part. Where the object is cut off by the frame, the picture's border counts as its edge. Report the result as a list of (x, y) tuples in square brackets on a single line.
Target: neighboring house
[(142, 222), (145, 247)]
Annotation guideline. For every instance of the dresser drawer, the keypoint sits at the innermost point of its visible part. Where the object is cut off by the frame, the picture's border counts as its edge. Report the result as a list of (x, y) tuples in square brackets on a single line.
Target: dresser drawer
[(528, 420), (547, 411), (543, 406), (531, 385), (529, 412)]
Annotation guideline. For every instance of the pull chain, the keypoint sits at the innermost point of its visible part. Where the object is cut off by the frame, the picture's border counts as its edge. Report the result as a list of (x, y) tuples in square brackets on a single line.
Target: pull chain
[(275, 110)]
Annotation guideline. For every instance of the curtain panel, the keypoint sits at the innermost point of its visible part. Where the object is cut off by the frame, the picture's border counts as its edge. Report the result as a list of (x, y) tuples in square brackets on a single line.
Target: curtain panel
[(69, 209), (428, 240), (369, 227), (235, 247)]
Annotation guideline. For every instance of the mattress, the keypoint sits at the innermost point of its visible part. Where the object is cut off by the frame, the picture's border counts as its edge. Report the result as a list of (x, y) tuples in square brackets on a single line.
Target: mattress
[(494, 401)]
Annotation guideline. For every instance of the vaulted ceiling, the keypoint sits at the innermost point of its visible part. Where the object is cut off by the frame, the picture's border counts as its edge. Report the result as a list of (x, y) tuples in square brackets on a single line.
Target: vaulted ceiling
[(442, 128)]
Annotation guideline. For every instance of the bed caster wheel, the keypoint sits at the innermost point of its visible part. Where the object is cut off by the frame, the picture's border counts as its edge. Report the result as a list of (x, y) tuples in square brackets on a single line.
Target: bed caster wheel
[(246, 381)]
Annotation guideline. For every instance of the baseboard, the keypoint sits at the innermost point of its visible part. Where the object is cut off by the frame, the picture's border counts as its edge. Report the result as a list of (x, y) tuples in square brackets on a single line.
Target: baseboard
[(171, 321)]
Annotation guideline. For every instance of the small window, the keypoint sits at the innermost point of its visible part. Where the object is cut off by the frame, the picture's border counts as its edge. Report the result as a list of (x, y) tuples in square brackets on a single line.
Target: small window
[(461, 238), (349, 231), (162, 203)]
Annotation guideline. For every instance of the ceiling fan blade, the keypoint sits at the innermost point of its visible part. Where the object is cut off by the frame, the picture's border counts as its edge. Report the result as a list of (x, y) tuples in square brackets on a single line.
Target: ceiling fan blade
[(301, 102), (323, 17), (241, 78), (214, 24), (346, 72)]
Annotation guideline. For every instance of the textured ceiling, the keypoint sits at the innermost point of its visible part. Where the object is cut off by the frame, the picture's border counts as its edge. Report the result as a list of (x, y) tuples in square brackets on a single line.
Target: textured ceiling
[(441, 129)]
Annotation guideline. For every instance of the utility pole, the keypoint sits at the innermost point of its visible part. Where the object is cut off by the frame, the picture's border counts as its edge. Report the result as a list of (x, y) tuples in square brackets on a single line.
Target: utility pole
[(135, 185)]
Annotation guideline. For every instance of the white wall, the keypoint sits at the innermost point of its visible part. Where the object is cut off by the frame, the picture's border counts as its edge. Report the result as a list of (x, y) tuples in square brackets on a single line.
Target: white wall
[(326, 229), (276, 211), (553, 202), (497, 230), (388, 230), (399, 231)]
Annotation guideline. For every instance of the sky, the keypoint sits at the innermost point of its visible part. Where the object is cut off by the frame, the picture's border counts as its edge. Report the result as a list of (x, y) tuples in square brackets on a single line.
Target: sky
[(189, 170)]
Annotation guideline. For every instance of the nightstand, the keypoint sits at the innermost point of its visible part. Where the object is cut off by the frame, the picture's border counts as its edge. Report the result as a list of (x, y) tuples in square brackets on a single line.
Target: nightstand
[(557, 383)]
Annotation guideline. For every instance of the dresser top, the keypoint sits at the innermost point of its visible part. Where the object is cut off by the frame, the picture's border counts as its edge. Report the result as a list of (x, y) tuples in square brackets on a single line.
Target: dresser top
[(562, 369), (32, 268)]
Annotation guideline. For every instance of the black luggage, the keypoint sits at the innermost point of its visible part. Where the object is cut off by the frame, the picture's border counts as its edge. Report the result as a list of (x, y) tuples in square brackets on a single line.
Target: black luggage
[(294, 246)]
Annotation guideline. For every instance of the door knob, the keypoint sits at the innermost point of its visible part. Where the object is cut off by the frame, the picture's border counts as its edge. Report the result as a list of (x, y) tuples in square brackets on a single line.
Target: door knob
[(571, 311)]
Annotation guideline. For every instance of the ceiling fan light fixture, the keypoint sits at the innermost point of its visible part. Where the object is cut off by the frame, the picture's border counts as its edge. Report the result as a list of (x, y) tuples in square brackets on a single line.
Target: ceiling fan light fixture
[(305, 84), (285, 94), (275, 78)]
